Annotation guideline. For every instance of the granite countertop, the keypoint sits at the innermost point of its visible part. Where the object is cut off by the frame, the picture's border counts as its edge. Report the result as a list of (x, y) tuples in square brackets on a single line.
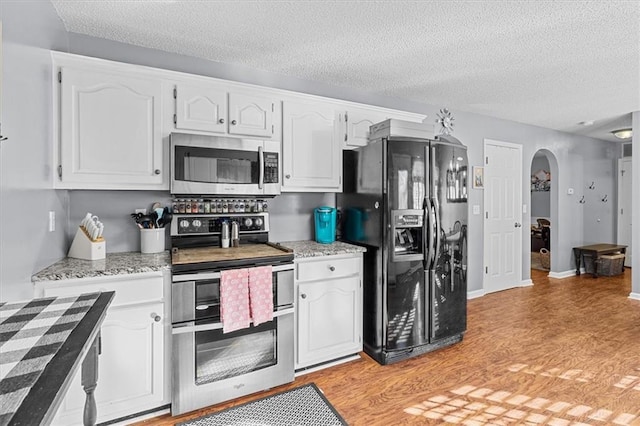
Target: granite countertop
[(113, 264), (302, 249)]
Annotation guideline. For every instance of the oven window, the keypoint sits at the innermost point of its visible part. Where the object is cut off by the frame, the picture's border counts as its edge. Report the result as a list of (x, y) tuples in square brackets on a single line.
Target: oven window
[(210, 165), (221, 356)]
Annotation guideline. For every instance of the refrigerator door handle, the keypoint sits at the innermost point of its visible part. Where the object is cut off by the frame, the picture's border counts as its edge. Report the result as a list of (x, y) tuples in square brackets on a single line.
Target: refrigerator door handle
[(426, 234), (436, 211), (430, 223)]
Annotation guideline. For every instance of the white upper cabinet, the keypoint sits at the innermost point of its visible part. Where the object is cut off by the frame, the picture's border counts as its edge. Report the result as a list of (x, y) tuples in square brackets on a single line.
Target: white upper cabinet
[(252, 115), (355, 123), (114, 120), (200, 108), (311, 150), (210, 108), (110, 131)]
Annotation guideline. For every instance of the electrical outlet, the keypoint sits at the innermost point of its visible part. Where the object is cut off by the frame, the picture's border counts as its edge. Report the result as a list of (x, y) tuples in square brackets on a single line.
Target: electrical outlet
[(143, 211), (52, 221)]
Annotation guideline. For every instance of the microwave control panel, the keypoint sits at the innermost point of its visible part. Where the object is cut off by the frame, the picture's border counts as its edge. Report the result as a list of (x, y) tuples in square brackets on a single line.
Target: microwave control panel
[(271, 167)]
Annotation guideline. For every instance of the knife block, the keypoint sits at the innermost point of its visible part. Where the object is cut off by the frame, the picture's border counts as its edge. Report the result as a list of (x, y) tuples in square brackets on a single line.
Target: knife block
[(83, 247)]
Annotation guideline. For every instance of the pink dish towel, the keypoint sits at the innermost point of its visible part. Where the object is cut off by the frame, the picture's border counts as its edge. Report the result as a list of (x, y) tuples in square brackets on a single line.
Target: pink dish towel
[(261, 294), (234, 300)]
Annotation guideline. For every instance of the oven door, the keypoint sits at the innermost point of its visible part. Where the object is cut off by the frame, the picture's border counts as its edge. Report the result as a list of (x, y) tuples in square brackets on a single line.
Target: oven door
[(210, 367), (196, 296), (204, 165)]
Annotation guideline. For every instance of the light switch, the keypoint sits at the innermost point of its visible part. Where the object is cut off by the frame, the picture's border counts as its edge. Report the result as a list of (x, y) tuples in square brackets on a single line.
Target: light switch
[(524, 208), (476, 209), (52, 221)]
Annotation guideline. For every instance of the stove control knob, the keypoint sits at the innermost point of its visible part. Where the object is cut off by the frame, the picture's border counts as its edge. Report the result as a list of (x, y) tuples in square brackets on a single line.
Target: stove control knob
[(248, 222), (258, 222), (184, 223), (196, 222)]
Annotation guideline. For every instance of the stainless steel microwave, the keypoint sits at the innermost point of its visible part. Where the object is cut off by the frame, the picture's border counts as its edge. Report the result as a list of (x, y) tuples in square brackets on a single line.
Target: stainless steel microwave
[(216, 165)]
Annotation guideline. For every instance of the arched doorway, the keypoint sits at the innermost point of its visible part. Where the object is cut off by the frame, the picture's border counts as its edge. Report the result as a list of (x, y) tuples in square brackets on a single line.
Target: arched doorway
[(544, 206)]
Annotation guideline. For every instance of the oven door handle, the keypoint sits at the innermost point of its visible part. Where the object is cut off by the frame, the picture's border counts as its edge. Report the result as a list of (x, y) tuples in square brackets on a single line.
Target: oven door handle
[(216, 275), (190, 328)]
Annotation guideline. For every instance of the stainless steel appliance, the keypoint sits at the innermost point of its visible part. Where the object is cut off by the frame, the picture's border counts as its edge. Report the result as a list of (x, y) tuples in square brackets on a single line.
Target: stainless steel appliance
[(405, 199), (210, 366), (204, 165)]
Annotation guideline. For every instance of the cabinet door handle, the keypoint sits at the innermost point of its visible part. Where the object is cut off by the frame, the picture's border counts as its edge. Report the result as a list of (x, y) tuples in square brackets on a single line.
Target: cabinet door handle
[(156, 171), (234, 122), (304, 296), (332, 268), (221, 121), (156, 317)]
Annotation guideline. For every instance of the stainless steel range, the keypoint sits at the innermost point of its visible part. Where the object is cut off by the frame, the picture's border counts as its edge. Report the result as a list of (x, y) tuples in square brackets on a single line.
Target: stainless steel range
[(210, 366)]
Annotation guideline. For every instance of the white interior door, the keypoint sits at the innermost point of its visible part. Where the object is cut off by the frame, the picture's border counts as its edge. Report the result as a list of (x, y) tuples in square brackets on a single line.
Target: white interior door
[(503, 216), (624, 206)]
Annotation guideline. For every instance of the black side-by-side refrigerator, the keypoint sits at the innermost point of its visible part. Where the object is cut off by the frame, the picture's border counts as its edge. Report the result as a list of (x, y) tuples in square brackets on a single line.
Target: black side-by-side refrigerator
[(405, 200)]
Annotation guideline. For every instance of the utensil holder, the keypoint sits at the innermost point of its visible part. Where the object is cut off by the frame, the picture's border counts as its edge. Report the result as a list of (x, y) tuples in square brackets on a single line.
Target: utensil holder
[(83, 247), (152, 240)]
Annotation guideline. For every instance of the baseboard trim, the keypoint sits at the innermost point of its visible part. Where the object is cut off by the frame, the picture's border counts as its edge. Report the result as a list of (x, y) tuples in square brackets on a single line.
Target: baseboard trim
[(634, 296), (526, 283), (475, 294), (564, 274), (319, 367)]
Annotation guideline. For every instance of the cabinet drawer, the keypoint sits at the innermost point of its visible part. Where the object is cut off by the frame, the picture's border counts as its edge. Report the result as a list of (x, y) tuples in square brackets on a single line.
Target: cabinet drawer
[(328, 268), (128, 290)]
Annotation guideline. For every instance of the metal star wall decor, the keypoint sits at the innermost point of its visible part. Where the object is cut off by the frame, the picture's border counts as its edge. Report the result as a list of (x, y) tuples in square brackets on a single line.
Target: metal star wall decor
[(445, 120)]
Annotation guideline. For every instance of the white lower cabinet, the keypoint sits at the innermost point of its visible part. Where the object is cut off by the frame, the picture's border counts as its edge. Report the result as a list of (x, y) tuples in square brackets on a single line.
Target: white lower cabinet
[(132, 375), (328, 308)]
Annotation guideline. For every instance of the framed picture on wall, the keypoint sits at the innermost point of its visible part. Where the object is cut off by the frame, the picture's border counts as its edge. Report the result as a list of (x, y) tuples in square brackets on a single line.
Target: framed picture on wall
[(478, 177)]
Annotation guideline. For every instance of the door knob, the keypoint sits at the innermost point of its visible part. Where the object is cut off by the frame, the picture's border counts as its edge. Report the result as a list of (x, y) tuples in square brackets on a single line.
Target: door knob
[(518, 225), (156, 171), (288, 176), (304, 296), (221, 121), (233, 122), (332, 268), (156, 317)]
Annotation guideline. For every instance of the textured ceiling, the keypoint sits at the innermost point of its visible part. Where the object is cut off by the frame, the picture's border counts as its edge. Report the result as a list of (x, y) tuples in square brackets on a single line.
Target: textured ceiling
[(548, 63)]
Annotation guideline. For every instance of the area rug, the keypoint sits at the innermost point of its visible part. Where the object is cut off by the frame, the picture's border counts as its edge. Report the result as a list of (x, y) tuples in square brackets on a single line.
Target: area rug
[(303, 406), (535, 261)]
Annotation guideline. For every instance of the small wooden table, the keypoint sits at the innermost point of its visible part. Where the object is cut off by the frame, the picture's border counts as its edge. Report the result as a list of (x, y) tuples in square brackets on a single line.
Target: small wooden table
[(596, 250)]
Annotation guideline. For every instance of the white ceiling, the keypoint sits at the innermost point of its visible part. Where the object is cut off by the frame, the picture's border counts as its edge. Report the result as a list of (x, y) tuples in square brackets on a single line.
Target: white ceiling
[(552, 64)]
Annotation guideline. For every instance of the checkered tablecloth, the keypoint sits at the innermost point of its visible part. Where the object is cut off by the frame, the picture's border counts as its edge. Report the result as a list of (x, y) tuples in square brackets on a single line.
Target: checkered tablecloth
[(31, 332)]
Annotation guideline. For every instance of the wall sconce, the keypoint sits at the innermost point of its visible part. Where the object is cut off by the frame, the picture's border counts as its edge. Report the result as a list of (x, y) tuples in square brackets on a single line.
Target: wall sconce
[(623, 133)]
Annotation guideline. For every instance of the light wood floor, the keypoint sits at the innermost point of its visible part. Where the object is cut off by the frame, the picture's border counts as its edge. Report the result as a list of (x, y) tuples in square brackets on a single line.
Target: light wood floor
[(559, 352)]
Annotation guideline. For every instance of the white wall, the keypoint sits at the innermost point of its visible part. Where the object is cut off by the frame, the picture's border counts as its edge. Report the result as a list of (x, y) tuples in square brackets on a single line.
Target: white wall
[(31, 28), (635, 206), (26, 246)]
